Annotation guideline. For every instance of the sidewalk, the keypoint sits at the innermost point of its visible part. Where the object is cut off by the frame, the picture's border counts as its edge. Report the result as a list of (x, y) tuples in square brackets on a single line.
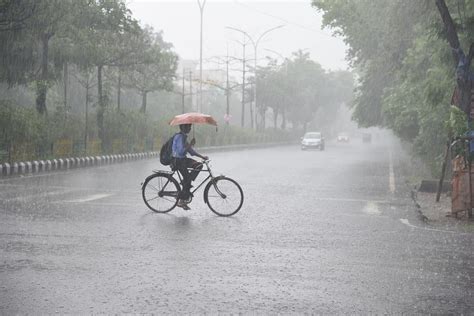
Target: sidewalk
[(438, 214)]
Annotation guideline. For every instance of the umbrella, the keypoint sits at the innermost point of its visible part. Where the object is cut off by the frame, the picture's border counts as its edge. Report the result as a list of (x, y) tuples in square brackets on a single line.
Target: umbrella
[(193, 118)]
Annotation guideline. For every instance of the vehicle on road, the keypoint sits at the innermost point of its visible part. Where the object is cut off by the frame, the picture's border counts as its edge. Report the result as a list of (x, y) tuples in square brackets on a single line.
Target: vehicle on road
[(366, 138), (343, 138), (223, 195), (312, 140)]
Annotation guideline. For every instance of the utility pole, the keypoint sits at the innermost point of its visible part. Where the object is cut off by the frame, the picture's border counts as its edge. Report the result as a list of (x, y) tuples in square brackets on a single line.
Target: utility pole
[(201, 8), (252, 85), (227, 89), (255, 46), (242, 122), (244, 65), (182, 101), (282, 109), (191, 89)]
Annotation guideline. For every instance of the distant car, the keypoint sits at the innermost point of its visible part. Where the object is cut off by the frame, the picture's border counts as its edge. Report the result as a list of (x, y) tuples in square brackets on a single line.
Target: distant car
[(366, 137), (343, 137), (312, 140)]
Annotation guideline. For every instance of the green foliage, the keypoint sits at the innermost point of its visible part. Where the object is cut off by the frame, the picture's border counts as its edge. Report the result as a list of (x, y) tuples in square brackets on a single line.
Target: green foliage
[(300, 87), (19, 124), (78, 55), (158, 69), (28, 135), (405, 66), (456, 124)]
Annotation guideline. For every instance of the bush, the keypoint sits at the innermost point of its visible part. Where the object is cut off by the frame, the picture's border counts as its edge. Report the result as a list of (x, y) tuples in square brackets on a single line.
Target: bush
[(26, 135)]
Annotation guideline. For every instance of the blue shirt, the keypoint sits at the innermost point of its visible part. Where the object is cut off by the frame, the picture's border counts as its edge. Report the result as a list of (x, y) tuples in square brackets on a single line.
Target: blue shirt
[(179, 146)]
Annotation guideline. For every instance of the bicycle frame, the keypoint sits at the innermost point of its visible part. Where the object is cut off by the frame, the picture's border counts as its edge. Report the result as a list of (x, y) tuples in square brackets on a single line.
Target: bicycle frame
[(209, 176), (163, 185)]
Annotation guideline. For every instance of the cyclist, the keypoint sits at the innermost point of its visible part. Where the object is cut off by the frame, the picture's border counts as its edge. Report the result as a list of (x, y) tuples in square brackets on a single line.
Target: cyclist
[(180, 148)]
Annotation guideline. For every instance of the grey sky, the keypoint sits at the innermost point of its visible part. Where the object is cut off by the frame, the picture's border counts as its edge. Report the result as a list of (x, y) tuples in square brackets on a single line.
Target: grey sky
[(180, 21)]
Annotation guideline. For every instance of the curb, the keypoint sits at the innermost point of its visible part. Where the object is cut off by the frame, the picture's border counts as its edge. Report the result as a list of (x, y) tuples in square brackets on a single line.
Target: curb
[(32, 167)]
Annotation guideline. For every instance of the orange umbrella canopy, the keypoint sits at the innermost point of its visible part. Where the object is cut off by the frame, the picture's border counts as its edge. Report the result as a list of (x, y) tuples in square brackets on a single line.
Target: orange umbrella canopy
[(193, 118)]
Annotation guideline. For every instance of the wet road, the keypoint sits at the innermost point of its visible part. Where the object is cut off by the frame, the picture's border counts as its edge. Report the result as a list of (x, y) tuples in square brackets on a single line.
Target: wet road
[(320, 232)]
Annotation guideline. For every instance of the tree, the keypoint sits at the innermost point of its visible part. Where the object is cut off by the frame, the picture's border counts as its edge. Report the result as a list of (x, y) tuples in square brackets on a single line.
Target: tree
[(465, 76), (300, 87), (111, 39), (404, 66), (157, 70), (16, 51), (14, 14), (52, 18), (377, 46)]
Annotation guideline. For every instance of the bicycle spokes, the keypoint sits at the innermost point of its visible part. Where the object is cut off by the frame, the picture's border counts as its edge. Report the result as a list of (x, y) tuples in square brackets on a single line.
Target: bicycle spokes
[(160, 192), (224, 197)]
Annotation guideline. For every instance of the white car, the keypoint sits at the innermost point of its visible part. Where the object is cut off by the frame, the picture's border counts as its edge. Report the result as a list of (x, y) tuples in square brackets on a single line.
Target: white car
[(312, 140)]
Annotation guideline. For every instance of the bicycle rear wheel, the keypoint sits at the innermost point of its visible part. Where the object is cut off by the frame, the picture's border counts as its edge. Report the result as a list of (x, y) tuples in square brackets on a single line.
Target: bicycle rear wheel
[(224, 196), (160, 192)]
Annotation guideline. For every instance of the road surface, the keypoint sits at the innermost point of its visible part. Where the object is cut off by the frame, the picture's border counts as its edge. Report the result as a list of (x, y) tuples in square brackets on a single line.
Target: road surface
[(325, 232)]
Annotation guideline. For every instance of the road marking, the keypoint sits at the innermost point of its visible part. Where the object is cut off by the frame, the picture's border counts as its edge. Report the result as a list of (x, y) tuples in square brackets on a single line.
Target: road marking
[(38, 195), (406, 222), (391, 177), (371, 208), (127, 205), (351, 200), (89, 198)]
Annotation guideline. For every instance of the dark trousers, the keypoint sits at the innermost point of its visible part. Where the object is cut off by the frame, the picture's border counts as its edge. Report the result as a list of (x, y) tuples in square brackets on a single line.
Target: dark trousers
[(182, 165)]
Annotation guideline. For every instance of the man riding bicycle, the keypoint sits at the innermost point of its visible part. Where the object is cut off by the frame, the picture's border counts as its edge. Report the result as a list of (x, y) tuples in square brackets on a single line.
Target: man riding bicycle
[(180, 148)]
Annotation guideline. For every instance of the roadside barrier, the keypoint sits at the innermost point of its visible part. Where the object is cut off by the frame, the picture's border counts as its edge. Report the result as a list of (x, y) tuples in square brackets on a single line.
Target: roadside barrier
[(29, 167)]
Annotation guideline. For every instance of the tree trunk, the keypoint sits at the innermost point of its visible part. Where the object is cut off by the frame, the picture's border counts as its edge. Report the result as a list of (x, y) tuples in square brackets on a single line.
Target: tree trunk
[(119, 88), (275, 118), (42, 84), (65, 79), (87, 117), (283, 120), (143, 108), (263, 117), (463, 70), (451, 32), (101, 108), (251, 115)]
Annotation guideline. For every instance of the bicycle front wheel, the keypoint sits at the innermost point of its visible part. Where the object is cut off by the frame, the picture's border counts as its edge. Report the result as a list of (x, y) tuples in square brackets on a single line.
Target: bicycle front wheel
[(224, 196), (160, 192)]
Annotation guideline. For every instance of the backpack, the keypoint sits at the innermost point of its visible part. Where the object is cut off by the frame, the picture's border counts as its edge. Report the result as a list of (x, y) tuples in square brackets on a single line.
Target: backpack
[(166, 152)]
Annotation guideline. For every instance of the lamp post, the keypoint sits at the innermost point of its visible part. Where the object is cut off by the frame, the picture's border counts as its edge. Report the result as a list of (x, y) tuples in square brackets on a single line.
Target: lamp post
[(285, 61), (243, 43), (201, 8), (255, 46), (276, 53)]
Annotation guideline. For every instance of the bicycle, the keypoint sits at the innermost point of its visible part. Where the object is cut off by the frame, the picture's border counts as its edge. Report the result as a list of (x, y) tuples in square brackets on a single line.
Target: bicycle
[(223, 195)]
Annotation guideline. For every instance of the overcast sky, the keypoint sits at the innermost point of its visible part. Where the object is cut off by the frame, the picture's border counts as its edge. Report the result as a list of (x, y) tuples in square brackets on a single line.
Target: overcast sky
[(180, 22)]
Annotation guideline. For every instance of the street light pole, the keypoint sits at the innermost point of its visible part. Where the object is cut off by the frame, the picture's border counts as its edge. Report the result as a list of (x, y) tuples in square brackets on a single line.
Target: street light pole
[(201, 8), (255, 46), (282, 109), (242, 120)]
